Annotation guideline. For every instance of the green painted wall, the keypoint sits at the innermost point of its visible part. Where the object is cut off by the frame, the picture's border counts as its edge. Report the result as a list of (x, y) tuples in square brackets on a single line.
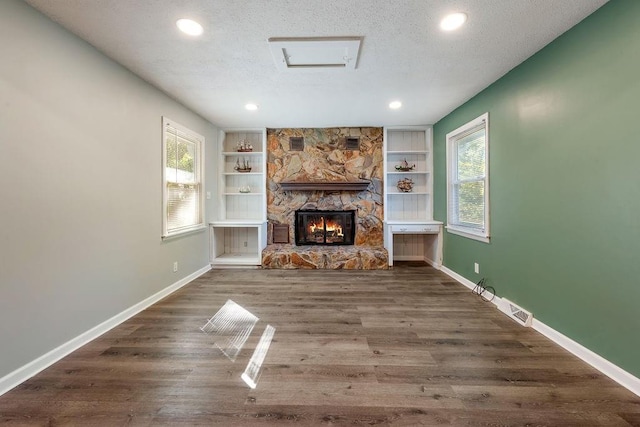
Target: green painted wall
[(565, 184)]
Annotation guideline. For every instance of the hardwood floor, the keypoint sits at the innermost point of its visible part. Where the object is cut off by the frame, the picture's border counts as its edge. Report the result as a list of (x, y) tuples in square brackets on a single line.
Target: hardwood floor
[(406, 347)]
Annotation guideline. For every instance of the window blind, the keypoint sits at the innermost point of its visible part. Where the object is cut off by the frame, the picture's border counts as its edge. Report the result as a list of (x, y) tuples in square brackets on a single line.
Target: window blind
[(468, 178), (183, 189)]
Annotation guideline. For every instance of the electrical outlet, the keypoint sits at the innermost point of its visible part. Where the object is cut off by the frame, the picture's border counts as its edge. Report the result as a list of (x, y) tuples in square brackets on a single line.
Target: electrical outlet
[(175, 266), (476, 267), (208, 195), (245, 244)]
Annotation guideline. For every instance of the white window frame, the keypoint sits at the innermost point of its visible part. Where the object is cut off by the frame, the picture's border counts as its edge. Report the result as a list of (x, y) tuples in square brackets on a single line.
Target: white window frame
[(199, 141), (454, 226)]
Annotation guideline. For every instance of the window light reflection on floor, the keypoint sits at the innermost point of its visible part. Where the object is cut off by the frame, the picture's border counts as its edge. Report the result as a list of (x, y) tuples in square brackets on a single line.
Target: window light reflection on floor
[(230, 327), (252, 371)]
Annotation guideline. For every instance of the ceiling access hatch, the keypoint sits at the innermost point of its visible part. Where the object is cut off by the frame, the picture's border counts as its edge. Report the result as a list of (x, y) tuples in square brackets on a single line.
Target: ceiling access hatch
[(298, 53)]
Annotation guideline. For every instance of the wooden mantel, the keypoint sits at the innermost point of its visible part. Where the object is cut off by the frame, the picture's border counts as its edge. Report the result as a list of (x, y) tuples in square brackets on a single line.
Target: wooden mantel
[(359, 185)]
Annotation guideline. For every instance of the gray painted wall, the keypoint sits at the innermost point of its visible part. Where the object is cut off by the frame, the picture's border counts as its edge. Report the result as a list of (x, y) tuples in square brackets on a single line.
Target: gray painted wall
[(81, 192)]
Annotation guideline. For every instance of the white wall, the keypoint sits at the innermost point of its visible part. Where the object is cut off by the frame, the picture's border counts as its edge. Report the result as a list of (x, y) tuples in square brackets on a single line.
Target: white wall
[(80, 188)]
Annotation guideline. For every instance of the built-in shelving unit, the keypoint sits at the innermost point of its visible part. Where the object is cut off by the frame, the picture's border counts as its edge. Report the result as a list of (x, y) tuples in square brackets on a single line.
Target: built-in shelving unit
[(409, 215), (414, 146), (238, 234)]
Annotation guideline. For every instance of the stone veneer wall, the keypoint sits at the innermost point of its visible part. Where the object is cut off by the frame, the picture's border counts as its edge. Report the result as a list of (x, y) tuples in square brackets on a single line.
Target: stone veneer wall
[(325, 159)]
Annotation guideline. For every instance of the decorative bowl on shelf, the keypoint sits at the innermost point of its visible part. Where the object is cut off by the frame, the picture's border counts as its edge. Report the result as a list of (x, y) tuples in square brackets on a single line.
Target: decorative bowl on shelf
[(405, 185), (404, 166), (245, 189)]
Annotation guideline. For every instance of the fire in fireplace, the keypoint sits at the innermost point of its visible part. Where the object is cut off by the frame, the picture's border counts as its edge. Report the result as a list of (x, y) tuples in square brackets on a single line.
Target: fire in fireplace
[(325, 227)]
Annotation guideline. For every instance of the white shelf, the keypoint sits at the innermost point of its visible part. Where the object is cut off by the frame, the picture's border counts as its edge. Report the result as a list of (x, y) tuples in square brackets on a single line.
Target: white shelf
[(413, 222), (239, 231), (241, 173), (411, 193), (408, 152), (413, 144), (236, 259), (238, 223), (395, 172), (242, 153), (412, 211)]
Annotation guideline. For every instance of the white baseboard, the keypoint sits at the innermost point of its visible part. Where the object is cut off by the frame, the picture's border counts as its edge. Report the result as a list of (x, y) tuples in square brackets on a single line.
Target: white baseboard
[(614, 372), (469, 284), (25, 372), (432, 263)]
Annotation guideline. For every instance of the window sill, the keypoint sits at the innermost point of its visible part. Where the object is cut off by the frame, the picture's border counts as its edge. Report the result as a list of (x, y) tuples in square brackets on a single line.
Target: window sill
[(186, 232), (467, 233)]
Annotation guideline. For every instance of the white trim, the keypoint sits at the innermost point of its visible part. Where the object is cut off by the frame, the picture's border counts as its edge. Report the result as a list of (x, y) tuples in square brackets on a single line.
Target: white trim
[(432, 263), (199, 173), (27, 371), (451, 166), (182, 233), (469, 284), (315, 53), (466, 232), (614, 372)]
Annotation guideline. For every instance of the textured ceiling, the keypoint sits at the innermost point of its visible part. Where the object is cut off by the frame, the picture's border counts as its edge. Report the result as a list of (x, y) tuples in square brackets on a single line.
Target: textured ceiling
[(404, 55)]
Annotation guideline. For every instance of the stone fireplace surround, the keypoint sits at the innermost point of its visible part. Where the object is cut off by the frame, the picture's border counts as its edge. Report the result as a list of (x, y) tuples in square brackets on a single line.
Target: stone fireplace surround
[(325, 159)]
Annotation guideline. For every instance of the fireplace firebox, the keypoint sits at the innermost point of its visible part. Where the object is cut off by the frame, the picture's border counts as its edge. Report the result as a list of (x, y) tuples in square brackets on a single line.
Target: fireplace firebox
[(313, 227)]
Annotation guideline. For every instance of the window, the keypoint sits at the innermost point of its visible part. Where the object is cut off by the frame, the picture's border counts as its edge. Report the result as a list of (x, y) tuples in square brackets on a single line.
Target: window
[(468, 180), (182, 179)]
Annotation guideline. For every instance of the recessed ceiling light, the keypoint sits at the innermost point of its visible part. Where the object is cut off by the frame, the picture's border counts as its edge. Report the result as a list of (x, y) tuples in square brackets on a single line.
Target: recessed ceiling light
[(189, 27), (395, 105), (453, 21), (251, 107)]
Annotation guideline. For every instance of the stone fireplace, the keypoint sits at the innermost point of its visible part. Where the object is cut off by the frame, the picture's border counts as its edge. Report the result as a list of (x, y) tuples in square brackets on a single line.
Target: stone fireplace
[(328, 169), (324, 227)]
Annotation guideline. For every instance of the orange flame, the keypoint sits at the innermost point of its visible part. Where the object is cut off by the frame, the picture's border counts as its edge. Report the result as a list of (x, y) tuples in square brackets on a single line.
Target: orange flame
[(332, 227)]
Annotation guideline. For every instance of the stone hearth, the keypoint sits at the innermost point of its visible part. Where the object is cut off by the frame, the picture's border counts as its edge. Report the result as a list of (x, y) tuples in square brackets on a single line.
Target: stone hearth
[(325, 257)]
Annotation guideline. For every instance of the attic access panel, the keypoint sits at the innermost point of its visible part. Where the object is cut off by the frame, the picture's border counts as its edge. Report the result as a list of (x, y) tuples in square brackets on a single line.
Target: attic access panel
[(315, 52)]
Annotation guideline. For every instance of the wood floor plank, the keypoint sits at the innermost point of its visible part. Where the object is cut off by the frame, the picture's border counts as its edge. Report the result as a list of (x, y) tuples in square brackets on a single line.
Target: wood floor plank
[(357, 394), (404, 347)]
